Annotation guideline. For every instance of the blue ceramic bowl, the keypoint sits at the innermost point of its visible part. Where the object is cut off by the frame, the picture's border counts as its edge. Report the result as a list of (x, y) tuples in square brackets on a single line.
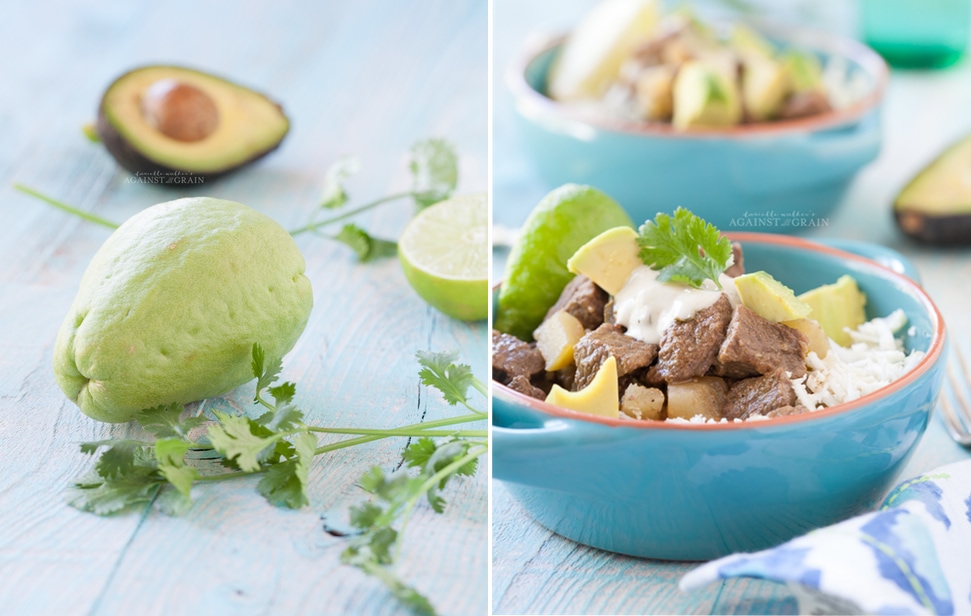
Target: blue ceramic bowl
[(698, 491), (778, 177)]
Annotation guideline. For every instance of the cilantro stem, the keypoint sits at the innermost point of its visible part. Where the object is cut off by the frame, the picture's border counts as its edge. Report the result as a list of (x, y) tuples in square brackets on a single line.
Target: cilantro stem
[(430, 483), (449, 421), (400, 432), (260, 399), (225, 476), (479, 387), (65, 207), (314, 225)]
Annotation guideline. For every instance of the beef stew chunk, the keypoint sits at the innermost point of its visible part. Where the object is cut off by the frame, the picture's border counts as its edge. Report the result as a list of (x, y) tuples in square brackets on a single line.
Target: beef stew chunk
[(756, 346), (805, 104), (785, 411), (584, 300), (511, 357), (690, 347), (759, 396), (523, 385), (609, 340)]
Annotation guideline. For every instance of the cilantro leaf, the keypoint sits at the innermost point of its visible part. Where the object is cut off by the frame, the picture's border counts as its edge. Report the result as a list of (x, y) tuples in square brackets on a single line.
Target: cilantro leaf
[(283, 393), (170, 454), (119, 457), (281, 486), (334, 195), (266, 372), (284, 484), (164, 421), (441, 372), (234, 438), (284, 417), (171, 501), (418, 453), (367, 247), (365, 515), (410, 597), (434, 170), (102, 496), (684, 249)]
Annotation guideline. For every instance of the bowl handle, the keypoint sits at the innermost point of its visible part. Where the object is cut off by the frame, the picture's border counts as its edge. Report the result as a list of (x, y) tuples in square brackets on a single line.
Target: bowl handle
[(515, 451), (887, 257)]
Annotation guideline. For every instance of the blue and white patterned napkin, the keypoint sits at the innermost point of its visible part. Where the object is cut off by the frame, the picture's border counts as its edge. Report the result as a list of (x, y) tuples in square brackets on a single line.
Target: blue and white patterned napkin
[(912, 556)]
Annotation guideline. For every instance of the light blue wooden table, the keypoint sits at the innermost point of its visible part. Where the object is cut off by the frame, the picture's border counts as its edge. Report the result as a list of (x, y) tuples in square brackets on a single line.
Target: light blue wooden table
[(366, 77), (537, 572)]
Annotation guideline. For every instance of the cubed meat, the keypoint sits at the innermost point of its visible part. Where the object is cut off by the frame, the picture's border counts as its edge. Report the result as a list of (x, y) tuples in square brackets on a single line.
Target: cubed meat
[(757, 346), (805, 104), (785, 411), (522, 384), (565, 377), (759, 396), (511, 357), (690, 347), (582, 299), (610, 340)]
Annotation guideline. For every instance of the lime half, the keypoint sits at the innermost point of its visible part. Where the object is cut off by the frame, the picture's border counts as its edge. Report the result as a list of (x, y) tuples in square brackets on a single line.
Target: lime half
[(444, 251)]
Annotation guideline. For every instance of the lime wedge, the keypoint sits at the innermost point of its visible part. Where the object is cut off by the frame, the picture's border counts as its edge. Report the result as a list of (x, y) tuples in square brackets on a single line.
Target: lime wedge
[(444, 251), (536, 271)]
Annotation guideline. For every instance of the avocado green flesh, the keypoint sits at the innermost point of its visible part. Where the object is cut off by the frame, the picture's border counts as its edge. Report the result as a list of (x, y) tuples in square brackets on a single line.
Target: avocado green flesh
[(250, 125), (935, 206), (944, 186)]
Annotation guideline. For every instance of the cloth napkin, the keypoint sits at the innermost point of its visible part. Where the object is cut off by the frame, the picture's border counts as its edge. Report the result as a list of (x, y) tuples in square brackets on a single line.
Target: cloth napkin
[(911, 556)]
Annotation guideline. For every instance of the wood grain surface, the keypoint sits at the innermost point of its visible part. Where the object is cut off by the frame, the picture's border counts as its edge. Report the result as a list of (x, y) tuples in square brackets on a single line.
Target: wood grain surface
[(537, 572), (367, 78)]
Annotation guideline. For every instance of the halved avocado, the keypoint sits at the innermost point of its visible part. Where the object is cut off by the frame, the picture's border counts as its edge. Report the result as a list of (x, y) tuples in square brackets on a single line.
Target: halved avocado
[(935, 206), (174, 119)]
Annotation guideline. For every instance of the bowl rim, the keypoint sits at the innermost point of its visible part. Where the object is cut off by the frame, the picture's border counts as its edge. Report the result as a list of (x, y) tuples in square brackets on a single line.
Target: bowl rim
[(824, 42), (931, 356)]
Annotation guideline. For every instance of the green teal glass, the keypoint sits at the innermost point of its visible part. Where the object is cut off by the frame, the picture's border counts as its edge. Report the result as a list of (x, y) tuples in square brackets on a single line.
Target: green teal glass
[(917, 33)]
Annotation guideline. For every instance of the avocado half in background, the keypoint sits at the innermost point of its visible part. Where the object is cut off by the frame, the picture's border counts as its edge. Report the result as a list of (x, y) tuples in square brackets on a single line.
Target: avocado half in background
[(935, 206), (173, 119)]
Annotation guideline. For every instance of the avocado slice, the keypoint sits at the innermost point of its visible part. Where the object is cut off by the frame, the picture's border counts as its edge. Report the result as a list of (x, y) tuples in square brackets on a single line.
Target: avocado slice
[(837, 307), (174, 119), (804, 70), (769, 298), (705, 97), (608, 259), (765, 85), (750, 44), (935, 206)]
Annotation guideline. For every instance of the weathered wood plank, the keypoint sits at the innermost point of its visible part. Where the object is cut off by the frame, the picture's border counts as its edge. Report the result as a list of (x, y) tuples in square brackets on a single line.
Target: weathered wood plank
[(365, 78)]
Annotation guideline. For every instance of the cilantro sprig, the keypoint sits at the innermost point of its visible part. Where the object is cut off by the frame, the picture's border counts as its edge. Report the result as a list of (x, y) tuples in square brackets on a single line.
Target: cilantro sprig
[(434, 173), (279, 447), (684, 248), (434, 170)]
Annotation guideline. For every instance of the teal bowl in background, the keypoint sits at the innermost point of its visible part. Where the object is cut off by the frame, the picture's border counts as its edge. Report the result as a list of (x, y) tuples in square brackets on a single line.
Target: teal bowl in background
[(778, 177), (682, 491)]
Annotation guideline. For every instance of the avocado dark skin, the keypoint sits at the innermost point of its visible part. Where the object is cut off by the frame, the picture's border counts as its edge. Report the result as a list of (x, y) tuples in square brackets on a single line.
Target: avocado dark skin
[(141, 161), (935, 206)]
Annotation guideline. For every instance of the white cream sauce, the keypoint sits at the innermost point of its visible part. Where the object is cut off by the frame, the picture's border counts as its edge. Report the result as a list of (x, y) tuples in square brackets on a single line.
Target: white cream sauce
[(647, 307)]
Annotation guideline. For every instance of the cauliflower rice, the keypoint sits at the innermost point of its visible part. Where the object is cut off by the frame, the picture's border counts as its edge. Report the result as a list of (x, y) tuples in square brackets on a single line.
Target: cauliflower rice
[(874, 360)]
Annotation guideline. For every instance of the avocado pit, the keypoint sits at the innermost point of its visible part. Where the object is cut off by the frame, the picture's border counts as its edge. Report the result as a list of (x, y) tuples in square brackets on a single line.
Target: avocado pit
[(180, 111)]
